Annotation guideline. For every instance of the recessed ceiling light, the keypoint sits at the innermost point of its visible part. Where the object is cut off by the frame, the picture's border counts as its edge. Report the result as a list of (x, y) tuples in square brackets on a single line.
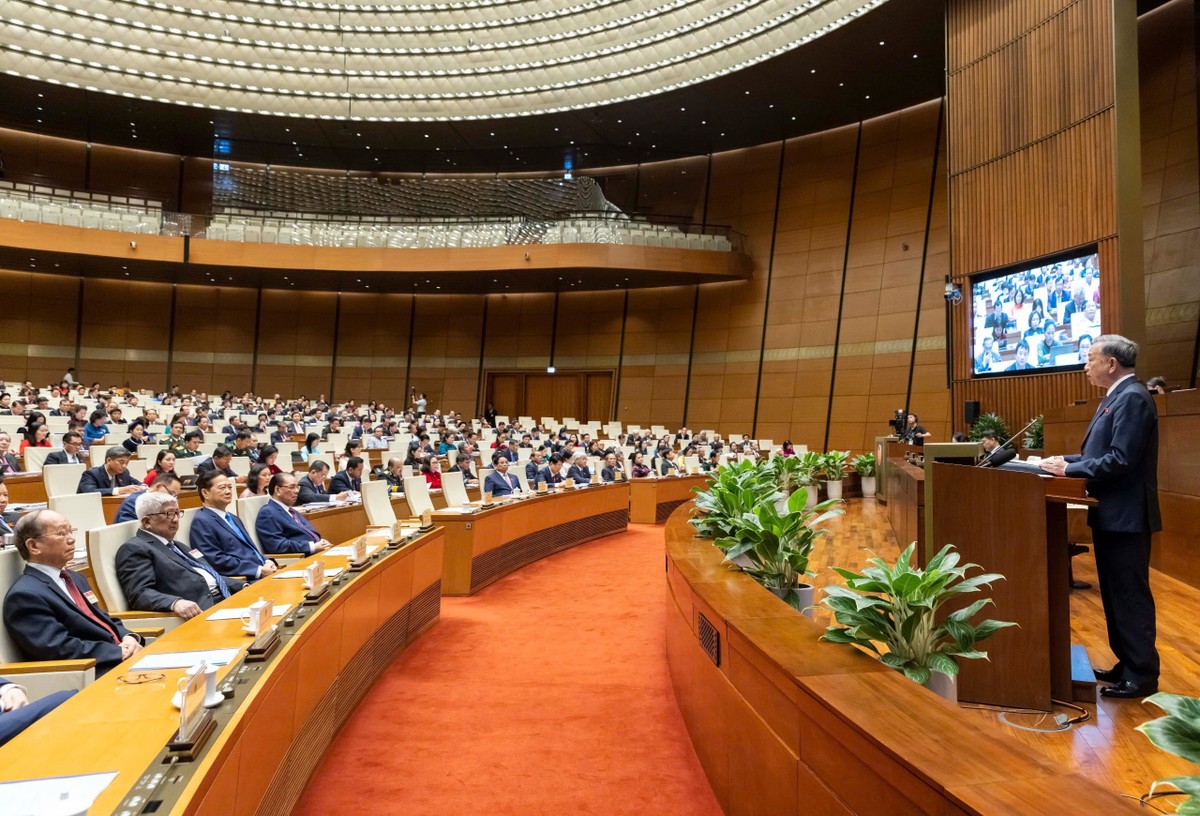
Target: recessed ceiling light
[(813, 71), (881, 42)]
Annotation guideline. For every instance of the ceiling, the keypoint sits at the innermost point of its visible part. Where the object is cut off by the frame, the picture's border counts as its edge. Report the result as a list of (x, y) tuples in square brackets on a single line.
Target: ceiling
[(889, 58)]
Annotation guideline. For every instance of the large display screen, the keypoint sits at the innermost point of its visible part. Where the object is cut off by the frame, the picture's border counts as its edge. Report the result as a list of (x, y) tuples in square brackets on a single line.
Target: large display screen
[(1037, 316)]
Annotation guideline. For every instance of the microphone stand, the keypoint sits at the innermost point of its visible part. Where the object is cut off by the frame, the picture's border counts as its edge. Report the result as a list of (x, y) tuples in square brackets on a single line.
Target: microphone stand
[(1005, 444)]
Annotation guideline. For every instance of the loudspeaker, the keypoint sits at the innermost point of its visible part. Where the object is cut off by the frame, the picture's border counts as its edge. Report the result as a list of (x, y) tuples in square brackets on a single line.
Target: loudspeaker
[(970, 412)]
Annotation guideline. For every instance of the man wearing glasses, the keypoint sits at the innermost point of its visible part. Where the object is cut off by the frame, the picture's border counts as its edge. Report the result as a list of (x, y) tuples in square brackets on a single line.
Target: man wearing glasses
[(158, 573), (72, 444), (50, 611), (281, 528)]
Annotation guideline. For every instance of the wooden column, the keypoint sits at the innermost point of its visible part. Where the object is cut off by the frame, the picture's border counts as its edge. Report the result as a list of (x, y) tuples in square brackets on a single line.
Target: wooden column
[(1044, 156)]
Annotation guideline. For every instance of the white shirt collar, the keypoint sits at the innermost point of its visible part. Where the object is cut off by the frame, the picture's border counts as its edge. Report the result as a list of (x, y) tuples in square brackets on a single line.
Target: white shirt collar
[(156, 536), (54, 576), (1112, 387)]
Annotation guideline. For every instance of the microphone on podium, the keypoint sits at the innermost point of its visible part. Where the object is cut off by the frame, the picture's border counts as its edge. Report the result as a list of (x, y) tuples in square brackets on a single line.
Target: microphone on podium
[(1002, 454)]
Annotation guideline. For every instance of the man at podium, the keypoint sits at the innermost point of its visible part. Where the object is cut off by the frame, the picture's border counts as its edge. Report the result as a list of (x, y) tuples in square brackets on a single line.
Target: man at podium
[(1119, 459)]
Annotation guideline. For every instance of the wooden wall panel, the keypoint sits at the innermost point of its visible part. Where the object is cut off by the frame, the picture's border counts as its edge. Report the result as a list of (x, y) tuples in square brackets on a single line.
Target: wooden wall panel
[(372, 351), (37, 334), (214, 338), (295, 342), (125, 331), (445, 350)]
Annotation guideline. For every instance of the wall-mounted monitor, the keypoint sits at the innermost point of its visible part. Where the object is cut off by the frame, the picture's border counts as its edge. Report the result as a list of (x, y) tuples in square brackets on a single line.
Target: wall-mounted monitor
[(1037, 316)]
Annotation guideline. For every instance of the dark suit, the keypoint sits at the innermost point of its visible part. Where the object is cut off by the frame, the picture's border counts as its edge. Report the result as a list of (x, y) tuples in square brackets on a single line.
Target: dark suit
[(499, 485), (226, 551), (280, 532), (154, 575), (531, 471), (60, 458), (309, 492), (47, 625), (128, 509), (343, 481), (97, 480), (277, 437), (608, 474), (209, 464), (468, 475), (581, 475), (549, 477), (9, 463), (15, 721), (1119, 459)]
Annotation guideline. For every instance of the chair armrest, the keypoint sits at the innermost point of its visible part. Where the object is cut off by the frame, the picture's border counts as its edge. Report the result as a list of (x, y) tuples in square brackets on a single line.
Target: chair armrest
[(44, 666), (139, 615), (147, 632)]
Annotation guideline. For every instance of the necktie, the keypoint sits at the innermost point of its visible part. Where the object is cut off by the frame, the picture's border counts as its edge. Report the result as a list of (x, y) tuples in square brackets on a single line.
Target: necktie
[(80, 602), (303, 524), (237, 531), (197, 563), (507, 481)]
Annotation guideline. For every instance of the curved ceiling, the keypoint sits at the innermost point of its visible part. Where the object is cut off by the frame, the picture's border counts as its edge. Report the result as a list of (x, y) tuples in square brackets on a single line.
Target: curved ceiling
[(432, 62)]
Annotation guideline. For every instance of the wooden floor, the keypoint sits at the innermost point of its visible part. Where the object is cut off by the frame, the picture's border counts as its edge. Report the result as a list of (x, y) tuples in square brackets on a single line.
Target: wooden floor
[(1105, 748)]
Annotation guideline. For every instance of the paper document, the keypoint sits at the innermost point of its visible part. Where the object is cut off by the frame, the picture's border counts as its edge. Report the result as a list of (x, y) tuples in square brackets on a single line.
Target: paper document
[(56, 796), (347, 551), (185, 660), (277, 611), (299, 573)]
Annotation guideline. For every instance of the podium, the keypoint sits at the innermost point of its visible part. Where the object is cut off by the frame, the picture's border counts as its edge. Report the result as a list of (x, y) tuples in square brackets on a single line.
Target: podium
[(1015, 524)]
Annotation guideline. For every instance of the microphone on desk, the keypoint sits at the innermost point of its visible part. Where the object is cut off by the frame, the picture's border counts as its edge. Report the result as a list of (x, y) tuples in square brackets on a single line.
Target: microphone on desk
[(1008, 456)]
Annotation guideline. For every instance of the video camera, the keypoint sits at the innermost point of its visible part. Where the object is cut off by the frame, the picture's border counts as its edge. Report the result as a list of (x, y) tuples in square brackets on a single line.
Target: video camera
[(899, 422)]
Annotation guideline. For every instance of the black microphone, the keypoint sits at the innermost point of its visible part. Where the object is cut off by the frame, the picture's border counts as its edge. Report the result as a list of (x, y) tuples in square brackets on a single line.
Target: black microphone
[(986, 461), (1003, 456)]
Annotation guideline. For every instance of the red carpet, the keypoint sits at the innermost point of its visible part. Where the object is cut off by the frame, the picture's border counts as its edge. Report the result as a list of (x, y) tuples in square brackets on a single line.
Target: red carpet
[(546, 693)]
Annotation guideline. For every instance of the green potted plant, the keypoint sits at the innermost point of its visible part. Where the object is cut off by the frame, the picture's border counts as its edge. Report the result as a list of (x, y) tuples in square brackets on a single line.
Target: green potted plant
[(897, 606), (788, 475), (990, 422), (1177, 733), (833, 467), (729, 493), (810, 470), (1035, 437), (865, 465), (774, 548)]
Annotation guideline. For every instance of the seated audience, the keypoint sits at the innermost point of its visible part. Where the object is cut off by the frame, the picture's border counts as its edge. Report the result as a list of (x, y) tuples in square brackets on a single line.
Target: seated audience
[(9, 463), (311, 445), (256, 481), (174, 440), (72, 443), (267, 456), (551, 474), (159, 573), (579, 470), (112, 478), (376, 440), (49, 611), (393, 474), (433, 476), (244, 446), (536, 457), (314, 488), (221, 536), (97, 427), (350, 478), (220, 460), (500, 482), (281, 528), (638, 468), (166, 483), (191, 445), (464, 464), (37, 435), (137, 437), (164, 462), (608, 473), (667, 466)]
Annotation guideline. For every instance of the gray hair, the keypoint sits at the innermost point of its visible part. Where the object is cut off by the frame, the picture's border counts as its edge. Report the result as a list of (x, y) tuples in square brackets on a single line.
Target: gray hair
[(117, 452), (152, 502), (1122, 349), (318, 466), (28, 526)]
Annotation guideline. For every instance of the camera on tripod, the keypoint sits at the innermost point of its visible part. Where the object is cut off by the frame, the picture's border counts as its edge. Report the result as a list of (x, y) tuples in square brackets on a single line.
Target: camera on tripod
[(899, 422)]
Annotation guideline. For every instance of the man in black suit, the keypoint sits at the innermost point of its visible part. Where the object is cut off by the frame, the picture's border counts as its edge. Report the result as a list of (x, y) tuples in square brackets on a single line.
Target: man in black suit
[(160, 574), (462, 464), (551, 474), (50, 611), (536, 457), (72, 443), (1119, 459), (313, 487), (220, 460), (992, 456), (112, 478), (348, 479)]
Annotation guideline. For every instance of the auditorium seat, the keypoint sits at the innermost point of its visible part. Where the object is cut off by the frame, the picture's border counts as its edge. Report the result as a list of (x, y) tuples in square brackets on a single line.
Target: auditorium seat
[(102, 546)]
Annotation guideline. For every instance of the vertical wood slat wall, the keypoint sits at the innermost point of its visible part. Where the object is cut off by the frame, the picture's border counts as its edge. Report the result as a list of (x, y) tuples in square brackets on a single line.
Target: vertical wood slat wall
[(1034, 141)]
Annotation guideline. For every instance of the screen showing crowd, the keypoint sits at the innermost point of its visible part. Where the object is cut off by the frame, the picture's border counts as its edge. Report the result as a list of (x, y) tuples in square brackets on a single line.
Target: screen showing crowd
[(1037, 318)]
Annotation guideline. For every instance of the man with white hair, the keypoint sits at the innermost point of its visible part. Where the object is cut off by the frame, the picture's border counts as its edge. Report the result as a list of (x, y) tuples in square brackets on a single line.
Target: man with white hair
[(160, 574)]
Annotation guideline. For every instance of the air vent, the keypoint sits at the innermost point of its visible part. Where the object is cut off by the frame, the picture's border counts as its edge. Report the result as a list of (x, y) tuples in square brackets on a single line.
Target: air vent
[(710, 639)]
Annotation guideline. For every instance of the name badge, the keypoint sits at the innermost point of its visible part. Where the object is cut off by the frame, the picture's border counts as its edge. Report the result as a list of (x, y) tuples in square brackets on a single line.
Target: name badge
[(91, 597), (197, 554)]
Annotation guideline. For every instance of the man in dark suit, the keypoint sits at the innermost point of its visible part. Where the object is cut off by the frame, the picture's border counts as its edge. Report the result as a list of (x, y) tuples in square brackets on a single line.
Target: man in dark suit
[(220, 460), (1119, 459), (536, 457), (280, 434), (551, 474), (221, 536), (160, 574), (163, 483), (348, 479), (579, 471), (313, 487), (992, 455), (17, 713), (72, 443), (608, 473), (49, 611), (112, 478), (500, 482), (462, 464), (280, 528)]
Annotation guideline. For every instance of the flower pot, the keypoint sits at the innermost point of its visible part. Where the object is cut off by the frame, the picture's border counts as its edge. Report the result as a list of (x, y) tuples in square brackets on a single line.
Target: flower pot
[(742, 560), (813, 498), (943, 685), (781, 505), (868, 487), (833, 489), (800, 598)]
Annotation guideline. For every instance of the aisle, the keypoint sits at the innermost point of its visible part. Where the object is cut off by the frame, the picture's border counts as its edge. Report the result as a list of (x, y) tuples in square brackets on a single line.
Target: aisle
[(547, 693)]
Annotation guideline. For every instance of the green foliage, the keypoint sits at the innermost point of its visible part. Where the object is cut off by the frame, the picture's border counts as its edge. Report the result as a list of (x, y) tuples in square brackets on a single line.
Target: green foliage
[(810, 467), (787, 472), (990, 422), (833, 465), (731, 492), (865, 464), (1035, 437), (778, 545), (1177, 733), (898, 606)]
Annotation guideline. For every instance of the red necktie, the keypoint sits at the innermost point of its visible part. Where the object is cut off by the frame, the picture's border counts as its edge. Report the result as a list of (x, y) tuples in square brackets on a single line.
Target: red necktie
[(84, 607)]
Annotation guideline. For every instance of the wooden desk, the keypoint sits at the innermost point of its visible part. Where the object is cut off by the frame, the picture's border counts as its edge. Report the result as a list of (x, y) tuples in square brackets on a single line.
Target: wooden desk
[(906, 504), (26, 489), (484, 546), (784, 723), (273, 732), (651, 501)]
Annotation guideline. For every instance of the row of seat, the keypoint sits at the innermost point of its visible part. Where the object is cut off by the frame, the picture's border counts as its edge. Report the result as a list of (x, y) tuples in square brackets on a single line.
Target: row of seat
[(69, 213)]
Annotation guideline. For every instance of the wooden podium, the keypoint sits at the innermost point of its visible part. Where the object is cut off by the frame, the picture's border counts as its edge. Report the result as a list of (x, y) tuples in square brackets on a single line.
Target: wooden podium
[(1015, 524)]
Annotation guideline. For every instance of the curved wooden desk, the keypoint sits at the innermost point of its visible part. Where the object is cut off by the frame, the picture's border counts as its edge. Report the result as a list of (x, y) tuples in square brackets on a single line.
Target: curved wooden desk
[(786, 724), (486, 545), (651, 501), (274, 730)]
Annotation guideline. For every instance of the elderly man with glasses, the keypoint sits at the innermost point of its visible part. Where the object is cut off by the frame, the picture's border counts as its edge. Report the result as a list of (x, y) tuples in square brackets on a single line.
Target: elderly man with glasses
[(159, 573), (50, 611)]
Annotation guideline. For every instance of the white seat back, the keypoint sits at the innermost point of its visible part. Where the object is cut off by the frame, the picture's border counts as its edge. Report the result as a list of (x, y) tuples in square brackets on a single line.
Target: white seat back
[(185, 524), (327, 458), (239, 465), (102, 544), (377, 504), (138, 468), (184, 467), (35, 458), (247, 510), (85, 511), (454, 489), (96, 454), (483, 474), (522, 478), (416, 490)]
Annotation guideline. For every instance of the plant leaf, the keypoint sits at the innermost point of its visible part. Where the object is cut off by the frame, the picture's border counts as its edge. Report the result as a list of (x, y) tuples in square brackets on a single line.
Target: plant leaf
[(943, 663), (1174, 735), (1177, 704)]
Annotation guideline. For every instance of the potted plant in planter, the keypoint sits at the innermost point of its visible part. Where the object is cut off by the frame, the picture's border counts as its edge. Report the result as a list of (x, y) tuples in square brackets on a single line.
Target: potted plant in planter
[(729, 493), (833, 466), (990, 422), (775, 547), (788, 475), (897, 606), (810, 471), (1177, 733), (864, 465), (1035, 437)]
